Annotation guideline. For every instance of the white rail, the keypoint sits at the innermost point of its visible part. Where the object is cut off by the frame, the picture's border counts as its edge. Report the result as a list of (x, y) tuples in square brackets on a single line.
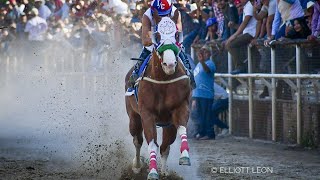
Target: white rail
[(273, 76)]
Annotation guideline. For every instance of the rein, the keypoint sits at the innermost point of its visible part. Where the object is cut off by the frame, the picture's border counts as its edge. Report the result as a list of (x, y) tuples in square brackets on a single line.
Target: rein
[(163, 82)]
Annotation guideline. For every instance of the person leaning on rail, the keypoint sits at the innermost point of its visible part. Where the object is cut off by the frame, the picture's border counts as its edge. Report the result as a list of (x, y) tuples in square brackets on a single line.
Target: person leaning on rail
[(246, 32)]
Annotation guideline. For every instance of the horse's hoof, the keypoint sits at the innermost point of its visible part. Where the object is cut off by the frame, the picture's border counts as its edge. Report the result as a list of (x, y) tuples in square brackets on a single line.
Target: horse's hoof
[(137, 165), (153, 176), (164, 173), (136, 170), (184, 161)]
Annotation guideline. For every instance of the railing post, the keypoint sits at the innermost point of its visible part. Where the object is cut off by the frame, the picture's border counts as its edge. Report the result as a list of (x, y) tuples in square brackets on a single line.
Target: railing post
[(298, 71), (250, 93), (230, 92), (274, 94)]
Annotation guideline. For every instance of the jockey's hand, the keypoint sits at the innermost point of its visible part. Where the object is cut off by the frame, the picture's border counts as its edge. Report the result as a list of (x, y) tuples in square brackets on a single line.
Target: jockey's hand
[(180, 45)]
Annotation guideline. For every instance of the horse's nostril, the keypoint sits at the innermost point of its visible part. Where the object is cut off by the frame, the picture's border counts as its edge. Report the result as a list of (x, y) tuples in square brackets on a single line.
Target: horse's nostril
[(176, 63), (165, 64)]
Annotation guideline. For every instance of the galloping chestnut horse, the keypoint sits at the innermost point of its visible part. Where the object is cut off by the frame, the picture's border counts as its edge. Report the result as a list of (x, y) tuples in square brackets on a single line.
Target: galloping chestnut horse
[(163, 98)]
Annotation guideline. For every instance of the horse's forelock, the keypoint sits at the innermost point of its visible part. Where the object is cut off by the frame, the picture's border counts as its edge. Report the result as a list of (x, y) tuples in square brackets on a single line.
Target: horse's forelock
[(169, 56)]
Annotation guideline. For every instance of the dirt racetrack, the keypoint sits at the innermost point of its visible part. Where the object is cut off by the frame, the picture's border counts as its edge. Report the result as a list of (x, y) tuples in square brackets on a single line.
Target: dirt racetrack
[(74, 126)]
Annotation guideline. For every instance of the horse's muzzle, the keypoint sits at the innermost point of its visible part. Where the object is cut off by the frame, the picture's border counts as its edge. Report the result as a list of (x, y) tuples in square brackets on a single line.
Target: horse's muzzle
[(169, 68)]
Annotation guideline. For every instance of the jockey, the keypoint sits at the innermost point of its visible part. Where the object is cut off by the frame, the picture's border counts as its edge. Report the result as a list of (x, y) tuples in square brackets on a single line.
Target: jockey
[(164, 8)]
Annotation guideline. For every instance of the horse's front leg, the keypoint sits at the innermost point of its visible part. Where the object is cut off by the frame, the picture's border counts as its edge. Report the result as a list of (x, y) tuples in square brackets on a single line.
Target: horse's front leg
[(180, 120), (168, 137), (150, 133)]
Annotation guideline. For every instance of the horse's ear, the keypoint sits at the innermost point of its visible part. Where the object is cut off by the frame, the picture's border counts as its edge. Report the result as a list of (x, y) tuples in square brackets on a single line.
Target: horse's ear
[(156, 16), (155, 55), (175, 16)]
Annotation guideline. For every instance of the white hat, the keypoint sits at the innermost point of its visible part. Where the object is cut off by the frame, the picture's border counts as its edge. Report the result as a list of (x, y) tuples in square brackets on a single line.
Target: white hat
[(133, 6), (34, 11), (193, 7), (310, 4)]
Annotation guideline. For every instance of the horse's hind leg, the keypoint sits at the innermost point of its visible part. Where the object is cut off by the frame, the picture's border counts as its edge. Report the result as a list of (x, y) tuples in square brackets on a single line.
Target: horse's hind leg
[(136, 132), (168, 136)]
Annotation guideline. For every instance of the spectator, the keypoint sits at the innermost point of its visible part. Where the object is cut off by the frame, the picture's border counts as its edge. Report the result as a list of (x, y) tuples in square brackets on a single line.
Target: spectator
[(59, 3), (299, 31), (27, 6), (36, 26), (220, 104), (219, 15), (239, 7), (6, 39), (12, 13), (116, 6), (63, 12), (267, 11), (203, 94), (191, 24), (315, 22), (309, 13), (51, 5), (243, 36), (202, 32), (44, 11), (21, 26), (231, 17), (287, 11), (212, 29)]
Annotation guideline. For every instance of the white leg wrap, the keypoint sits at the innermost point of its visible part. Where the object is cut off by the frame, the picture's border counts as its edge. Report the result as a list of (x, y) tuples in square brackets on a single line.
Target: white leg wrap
[(152, 147), (182, 130)]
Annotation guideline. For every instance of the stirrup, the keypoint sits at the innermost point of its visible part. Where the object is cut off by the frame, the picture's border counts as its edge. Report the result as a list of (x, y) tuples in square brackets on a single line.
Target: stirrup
[(130, 91), (133, 78)]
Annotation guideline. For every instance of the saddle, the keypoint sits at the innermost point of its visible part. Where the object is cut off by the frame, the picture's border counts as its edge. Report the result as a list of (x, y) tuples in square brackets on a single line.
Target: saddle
[(143, 67)]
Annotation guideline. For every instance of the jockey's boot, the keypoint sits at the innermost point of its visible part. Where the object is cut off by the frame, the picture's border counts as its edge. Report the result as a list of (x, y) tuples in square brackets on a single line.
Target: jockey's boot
[(134, 76), (187, 64)]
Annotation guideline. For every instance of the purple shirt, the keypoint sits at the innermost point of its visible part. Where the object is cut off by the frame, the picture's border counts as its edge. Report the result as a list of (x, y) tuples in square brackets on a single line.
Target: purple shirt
[(315, 24)]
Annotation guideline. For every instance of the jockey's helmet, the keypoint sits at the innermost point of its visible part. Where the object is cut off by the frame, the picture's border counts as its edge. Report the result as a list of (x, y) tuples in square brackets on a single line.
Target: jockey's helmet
[(163, 7)]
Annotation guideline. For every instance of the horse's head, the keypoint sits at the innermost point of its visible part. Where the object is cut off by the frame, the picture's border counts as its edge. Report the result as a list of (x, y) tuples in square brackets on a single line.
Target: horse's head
[(168, 55), (166, 49)]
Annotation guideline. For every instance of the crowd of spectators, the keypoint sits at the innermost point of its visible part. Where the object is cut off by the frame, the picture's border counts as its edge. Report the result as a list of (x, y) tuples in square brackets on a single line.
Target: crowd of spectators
[(232, 23), (83, 25)]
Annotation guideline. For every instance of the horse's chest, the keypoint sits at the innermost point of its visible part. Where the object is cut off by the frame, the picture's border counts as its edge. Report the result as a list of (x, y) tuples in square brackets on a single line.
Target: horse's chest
[(167, 101)]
